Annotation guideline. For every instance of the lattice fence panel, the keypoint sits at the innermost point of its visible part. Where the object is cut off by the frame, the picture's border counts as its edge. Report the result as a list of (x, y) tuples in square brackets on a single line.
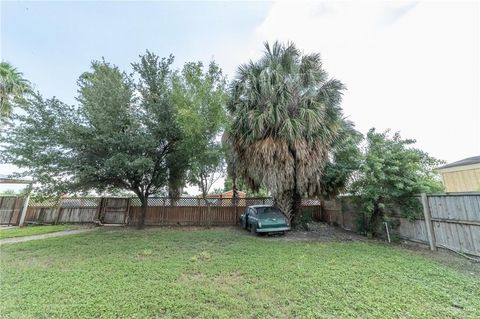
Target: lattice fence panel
[(85, 202), (91, 202), (187, 202), (311, 202), (43, 202), (78, 202), (258, 201), (216, 202)]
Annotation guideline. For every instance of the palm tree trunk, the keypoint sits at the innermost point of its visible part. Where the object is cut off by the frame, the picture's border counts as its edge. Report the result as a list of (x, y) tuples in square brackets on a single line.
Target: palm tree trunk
[(296, 209), (296, 201)]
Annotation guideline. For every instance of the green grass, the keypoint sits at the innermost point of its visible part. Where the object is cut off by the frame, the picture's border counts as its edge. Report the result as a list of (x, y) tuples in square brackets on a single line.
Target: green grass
[(222, 273), (32, 230)]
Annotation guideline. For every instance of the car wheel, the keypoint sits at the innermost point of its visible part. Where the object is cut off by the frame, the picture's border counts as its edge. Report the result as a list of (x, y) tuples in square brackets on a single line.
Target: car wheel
[(253, 229)]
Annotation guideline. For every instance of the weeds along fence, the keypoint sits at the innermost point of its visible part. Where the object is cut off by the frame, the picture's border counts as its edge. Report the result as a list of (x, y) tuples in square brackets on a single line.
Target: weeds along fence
[(450, 220), (121, 210)]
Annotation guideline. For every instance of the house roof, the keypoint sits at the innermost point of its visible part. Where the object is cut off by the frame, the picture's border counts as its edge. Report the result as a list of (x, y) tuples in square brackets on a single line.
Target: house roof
[(463, 162), (226, 195), (4, 179)]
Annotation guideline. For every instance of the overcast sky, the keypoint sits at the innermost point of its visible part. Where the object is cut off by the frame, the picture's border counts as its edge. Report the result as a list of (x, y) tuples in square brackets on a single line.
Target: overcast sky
[(412, 67)]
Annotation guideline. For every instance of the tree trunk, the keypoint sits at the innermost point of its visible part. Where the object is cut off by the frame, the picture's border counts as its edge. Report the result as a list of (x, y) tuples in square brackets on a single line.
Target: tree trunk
[(296, 201), (207, 204), (235, 195), (143, 212), (234, 189), (173, 193), (284, 203), (296, 209), (374, 221)]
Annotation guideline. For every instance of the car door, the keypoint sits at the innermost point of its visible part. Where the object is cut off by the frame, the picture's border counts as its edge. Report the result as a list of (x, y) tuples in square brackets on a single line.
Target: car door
[(243, 219), (252, 217)]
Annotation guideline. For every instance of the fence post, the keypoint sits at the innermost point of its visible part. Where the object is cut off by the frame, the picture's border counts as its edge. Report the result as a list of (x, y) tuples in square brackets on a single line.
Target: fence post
[(126, 218), (99, 210), (59, 209), (23, 214), (428, 222)]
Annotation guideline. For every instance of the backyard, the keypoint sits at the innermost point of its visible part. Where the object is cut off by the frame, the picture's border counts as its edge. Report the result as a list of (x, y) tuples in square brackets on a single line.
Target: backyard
[(227, 273)]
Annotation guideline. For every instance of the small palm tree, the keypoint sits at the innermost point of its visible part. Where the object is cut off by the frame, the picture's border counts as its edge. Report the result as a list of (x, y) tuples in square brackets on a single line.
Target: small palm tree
[(285, 115), (13, 88)]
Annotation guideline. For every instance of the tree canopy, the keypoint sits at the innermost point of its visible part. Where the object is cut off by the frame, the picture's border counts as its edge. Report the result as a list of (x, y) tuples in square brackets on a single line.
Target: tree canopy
[(200, 97), (343, 163), (391, 174), (149, 132), (286, 116)]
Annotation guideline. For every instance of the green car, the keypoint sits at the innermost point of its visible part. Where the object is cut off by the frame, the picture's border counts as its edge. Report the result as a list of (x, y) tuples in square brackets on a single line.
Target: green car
[(264, 219)]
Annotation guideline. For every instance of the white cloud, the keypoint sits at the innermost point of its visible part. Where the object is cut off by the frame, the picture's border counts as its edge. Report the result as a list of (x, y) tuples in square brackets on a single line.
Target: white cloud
[(412, 67)]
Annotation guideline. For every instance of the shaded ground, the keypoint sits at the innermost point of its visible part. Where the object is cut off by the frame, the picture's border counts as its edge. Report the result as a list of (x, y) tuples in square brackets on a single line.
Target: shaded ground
[(325, 232)]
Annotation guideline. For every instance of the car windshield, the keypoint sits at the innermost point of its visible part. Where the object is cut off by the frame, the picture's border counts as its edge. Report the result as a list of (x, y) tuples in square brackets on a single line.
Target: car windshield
[(267, 210)]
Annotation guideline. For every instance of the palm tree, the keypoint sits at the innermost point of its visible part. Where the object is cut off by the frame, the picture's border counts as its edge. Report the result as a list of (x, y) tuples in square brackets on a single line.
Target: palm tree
[(286, 116), (13, 88)]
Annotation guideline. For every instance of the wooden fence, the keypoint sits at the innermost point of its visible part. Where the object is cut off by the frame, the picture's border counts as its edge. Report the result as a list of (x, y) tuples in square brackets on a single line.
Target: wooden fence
[(10, 208), (450, 220), (453, 221), (121, 210)]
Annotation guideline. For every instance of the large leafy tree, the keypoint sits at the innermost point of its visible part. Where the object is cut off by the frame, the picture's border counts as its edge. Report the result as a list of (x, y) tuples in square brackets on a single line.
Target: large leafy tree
[(157, 91), (343, 163), (240, 185), (286, 116), (200, 98), (13, 89), (391, 174), (119, 137)]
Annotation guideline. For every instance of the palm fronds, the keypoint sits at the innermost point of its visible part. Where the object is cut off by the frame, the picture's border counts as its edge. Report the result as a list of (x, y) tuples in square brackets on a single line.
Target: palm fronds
[(12, 88), (285, 117)]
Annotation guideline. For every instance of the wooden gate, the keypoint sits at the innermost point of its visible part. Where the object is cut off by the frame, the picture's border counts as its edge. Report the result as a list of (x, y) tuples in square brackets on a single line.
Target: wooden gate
[(114, 210)]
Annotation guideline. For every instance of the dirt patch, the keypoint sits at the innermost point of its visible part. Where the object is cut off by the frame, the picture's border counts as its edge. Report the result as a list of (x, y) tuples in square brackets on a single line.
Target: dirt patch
[(324, 232), (228, 279), (183, 228), (317, 232), (202, 256), (192, 277)]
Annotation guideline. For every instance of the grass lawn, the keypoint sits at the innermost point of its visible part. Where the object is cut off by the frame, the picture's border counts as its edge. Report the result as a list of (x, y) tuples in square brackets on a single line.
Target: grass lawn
[(224, 273), (33, 230)]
